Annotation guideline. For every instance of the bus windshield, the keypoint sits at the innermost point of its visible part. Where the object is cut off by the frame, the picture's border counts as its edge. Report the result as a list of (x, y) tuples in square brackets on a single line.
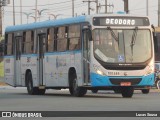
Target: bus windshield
[(122, 45)]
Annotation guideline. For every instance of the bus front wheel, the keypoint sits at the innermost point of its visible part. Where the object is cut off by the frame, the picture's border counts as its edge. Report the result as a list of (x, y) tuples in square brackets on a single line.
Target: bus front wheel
[(145, 91), (127, 92), (94, 91), (76, 90), (33, 90)]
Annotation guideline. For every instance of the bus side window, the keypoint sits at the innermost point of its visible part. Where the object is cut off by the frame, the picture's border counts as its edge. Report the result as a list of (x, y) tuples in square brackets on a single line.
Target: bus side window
[(9, 44), (55, 38), (23, 42), (62, 39), (50, 40), (28, 44), (32, 42), (74, 37)]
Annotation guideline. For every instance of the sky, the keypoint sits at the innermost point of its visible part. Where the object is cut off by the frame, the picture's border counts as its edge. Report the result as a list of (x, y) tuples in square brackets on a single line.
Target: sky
[(63, 8)]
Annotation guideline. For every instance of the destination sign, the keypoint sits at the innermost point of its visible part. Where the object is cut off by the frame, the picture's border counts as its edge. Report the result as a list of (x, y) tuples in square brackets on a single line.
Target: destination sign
[(121, 21)]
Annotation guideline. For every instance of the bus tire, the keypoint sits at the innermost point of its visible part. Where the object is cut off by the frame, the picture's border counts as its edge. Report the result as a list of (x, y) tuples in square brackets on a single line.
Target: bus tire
[(94, 91), (127, 92), (145, 91), (70, 81), (33, 90), (29, 83), (77, 91)]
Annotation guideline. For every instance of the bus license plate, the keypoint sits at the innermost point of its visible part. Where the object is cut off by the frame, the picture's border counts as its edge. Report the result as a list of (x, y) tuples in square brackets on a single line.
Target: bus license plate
[(125, 83)]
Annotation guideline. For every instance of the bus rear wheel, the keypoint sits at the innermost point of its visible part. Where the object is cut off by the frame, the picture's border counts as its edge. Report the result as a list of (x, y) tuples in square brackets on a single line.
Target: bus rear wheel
[(76, 90), (127, 92), (33, 90)]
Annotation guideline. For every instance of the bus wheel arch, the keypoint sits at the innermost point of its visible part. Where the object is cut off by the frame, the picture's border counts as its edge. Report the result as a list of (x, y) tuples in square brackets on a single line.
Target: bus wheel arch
[(73, 85)]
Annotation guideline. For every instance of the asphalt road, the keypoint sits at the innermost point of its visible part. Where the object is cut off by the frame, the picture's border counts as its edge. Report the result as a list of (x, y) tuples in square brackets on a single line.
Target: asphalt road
[(17, 99)]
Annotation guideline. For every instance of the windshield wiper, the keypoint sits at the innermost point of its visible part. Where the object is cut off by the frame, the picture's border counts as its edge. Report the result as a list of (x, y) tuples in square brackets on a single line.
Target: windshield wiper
[(112, 33), (133, 40)]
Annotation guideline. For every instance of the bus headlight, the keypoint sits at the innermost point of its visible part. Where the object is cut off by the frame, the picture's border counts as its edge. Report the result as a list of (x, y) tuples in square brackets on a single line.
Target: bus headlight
[(97, 69), (150, 69), (100, 72)]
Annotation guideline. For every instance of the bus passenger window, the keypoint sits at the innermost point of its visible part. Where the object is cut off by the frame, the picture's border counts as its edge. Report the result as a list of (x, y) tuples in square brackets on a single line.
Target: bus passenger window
[(74, 37), (51, 40), (62, 40), (23, 42), (29, 42), (9, 44)]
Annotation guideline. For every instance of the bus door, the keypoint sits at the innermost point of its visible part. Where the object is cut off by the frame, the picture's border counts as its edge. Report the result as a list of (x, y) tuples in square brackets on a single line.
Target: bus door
[(41, 50), (86, 57), (17, 57)]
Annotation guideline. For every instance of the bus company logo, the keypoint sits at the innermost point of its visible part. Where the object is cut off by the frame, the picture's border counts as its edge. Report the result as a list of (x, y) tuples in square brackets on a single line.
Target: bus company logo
[(28, 59)]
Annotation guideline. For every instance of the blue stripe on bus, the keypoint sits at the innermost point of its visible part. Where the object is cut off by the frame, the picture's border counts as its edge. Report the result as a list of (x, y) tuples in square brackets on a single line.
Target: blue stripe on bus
[(62, 53), (29, 55), (49, 53), (48, 23), (99, 80), (9, 56)]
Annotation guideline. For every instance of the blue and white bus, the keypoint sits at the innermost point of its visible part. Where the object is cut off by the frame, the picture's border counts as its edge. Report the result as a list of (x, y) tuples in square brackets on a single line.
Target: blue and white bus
[(82, 53)]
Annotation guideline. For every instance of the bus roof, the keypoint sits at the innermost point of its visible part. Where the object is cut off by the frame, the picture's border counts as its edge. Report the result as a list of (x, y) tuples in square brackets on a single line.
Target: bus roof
[(65, 21), (48, 23)]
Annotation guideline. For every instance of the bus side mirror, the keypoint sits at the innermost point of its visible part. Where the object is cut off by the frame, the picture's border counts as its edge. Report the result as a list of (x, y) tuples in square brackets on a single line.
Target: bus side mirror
[(88, 32)]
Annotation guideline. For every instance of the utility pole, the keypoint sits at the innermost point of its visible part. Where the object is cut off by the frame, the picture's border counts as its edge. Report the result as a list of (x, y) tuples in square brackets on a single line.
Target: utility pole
[(13, 14), (106, 6), (2, 3), (21, 10), (97, 7), (147, 7), (126, 6), (72, 8), (36, 11), (89, 2), (158, 13)]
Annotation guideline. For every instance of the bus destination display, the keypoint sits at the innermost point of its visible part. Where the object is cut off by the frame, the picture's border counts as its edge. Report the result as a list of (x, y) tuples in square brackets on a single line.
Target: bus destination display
[(120, 21)]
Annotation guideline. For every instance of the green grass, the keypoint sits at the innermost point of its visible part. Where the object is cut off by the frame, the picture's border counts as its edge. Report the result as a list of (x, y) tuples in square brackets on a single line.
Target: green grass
[(1, 68)]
